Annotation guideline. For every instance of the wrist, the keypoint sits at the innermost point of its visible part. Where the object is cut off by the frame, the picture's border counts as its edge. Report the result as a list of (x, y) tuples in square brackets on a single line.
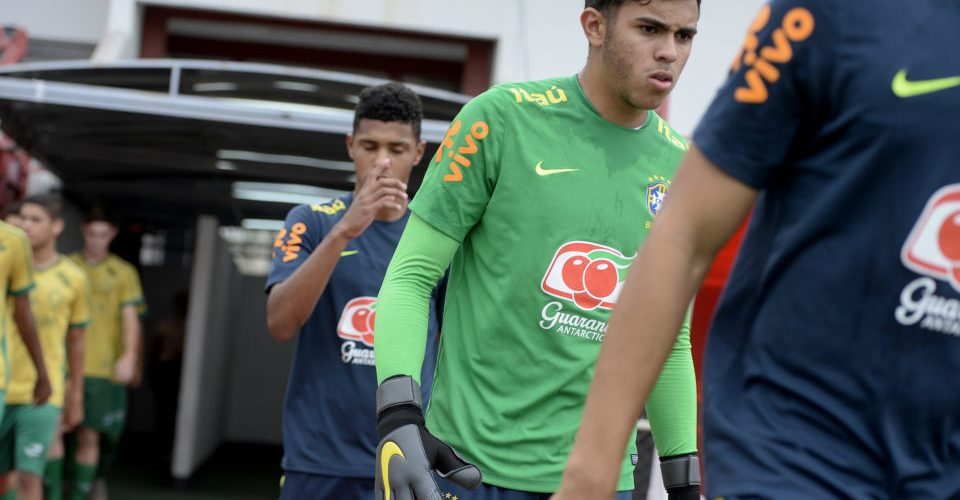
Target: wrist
[(340, 234)]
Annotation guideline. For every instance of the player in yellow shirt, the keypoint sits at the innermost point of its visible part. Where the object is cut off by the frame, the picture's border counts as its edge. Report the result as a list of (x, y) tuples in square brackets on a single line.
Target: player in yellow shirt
[(112, 354), (59, 303), (16, 281)]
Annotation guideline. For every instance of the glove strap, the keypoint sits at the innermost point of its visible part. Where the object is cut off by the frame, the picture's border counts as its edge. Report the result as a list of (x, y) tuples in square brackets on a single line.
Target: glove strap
[(680, 471), (398, 390)]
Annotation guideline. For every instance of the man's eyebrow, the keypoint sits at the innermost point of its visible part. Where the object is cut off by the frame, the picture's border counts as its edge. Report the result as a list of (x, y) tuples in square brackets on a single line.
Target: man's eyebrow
[(656, 23)]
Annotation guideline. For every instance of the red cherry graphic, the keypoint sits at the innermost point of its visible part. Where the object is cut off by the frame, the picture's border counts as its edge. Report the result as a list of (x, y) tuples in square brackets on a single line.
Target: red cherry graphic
[(572, 272), (585, 301), (360, 320), (601, 278), (368, 338), (371, 319), (949, 237)]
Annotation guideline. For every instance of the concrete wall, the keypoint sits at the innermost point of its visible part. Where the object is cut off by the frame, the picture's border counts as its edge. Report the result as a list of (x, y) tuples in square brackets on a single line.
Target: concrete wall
[(81, 21), (258, 370)]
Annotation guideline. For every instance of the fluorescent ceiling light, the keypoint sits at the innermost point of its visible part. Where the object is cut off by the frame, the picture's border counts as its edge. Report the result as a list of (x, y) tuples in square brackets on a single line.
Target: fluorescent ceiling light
[(295, 194), (214, 87), (298, 86), (262, 224), (225, 165), (300, 161)]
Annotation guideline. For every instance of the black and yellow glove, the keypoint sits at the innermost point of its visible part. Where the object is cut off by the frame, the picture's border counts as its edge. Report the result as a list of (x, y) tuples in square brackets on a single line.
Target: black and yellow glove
[(408, 453), (681, 476)]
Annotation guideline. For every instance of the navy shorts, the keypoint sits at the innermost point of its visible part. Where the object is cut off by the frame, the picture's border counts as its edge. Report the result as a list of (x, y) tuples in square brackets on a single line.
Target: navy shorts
[(450, 491), (303, 486)]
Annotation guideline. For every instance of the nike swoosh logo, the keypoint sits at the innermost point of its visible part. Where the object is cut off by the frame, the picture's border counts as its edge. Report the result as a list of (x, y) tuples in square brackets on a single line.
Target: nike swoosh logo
[(904, 88), (347, 253), (390, 450), (543, 171)]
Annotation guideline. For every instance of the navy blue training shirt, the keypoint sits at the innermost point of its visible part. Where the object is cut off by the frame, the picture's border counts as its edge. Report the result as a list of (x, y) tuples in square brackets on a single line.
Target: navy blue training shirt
[(329, 417), (832, 363)]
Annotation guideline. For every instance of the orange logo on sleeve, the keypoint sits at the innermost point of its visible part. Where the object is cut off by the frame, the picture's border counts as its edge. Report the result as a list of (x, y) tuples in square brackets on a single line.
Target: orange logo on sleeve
[(290, 248), (797, 26), (461, 156)]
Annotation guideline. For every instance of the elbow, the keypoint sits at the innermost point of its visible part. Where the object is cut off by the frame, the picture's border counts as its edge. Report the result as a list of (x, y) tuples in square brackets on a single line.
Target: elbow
[(279, 329)]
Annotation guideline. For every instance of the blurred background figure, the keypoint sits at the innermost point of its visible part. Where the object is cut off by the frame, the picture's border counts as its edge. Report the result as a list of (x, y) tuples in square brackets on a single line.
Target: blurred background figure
[(31, 443), (113, 351)]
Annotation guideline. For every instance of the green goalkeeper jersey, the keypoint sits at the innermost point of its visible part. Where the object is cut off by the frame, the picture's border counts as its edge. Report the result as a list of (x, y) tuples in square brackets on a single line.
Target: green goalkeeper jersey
[(550, 202)]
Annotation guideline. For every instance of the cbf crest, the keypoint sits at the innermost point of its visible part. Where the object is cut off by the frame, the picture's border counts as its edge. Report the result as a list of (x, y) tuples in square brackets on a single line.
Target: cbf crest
[(657, 187)]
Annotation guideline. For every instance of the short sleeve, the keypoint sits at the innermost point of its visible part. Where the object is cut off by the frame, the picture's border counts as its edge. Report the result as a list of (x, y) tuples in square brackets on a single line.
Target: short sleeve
[(464, 169), (132, 292), (294, 243), (80, 309), (21, 269), (777, 92)]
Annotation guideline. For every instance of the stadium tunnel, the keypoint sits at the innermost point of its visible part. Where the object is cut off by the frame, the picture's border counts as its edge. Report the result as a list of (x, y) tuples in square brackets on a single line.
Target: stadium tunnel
[(187, 152)]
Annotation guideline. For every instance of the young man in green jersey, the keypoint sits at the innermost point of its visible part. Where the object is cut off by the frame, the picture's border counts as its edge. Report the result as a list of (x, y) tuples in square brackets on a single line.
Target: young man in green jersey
[(112, 358), (29, 433), (537, 199)]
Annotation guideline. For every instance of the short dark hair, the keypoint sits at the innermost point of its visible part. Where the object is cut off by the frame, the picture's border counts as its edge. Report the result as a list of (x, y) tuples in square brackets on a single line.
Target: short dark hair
[(611, 6), (50, 203), (12, 208), (389, 102), (99, 213)]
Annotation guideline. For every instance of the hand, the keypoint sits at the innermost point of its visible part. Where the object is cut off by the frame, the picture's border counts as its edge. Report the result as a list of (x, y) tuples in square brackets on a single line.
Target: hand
[(72, 412), (137, 374), (408, 453), (579, 486), (41, 390), (125, 369), (378, 193)]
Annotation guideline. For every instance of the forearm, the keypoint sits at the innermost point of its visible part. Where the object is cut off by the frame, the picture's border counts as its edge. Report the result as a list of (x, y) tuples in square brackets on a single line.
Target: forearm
[(75, 361), (291, 302), (672, 405), (132, 331), (23, 317), (403, 306)]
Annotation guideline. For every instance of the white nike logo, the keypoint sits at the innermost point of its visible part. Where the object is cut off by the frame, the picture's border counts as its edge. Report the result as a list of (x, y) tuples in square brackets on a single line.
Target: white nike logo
[(543, 171)]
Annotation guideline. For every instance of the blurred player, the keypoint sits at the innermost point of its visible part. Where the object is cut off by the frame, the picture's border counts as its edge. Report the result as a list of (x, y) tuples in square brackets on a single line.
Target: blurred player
[(537, 199), (831, 366), (29, 433), (11, 215), (16, 279), (329, 263), (111, 357)]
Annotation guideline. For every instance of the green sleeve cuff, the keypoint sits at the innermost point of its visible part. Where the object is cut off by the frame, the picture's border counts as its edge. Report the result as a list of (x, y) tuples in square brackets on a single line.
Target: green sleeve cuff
[(672, 405), (23, 291), (83, 324), (403, 306)]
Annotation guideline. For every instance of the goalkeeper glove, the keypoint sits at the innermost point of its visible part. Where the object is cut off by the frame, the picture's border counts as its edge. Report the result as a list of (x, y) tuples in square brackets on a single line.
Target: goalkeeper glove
[(681, 476), (408, 452)]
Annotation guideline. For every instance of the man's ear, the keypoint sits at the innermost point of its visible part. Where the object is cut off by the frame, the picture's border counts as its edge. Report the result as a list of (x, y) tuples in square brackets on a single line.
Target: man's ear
[(350, 145), (594, 26)]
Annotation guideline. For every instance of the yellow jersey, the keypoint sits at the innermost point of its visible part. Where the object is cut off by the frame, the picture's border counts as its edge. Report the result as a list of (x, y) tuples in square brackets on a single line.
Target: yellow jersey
[(114, 284), (60, 302), (16, 278)]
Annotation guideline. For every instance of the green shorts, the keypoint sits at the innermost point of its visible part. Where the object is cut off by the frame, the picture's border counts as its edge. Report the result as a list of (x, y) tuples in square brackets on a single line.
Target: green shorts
[(104, 406), (25, 435)]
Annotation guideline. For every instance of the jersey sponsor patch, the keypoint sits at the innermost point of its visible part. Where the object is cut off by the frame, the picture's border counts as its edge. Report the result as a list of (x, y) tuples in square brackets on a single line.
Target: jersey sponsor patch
[(356, 329), (933, 250), (796, 26), (588, 277), (588, 274), (289, 242), (553, 95), (460, 157)]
